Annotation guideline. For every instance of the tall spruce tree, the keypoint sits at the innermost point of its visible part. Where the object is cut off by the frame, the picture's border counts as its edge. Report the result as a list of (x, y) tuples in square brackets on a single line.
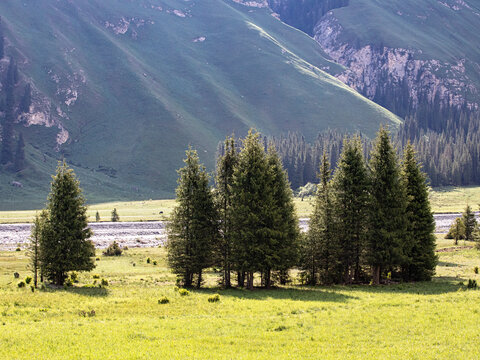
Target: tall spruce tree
[(65, 244), (351, 186), (469, 222), (252, 201), (223, 195), (419, 243), (320, 250), (388, 209), (284, 226), (193, 227), (2, 40)]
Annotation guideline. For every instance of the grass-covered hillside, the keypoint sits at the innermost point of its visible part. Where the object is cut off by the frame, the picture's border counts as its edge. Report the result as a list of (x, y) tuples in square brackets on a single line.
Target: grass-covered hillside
[(125, 320), (133, 83)]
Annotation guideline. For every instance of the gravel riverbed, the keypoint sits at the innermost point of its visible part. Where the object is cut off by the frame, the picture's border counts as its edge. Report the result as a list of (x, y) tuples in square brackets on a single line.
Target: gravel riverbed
[(140, 234)]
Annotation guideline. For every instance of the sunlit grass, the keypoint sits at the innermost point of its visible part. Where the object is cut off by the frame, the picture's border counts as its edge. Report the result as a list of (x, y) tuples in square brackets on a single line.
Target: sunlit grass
[(419, 321)]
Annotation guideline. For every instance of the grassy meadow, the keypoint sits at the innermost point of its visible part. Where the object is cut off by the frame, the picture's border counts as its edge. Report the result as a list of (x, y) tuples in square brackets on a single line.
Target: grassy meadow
[(435, 320)]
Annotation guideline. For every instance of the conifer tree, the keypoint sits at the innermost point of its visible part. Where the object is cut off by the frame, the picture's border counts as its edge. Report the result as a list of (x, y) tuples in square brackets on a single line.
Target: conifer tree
[(469, 222), (115, 217), (2, 41), (193, 227), (97, 216), (20, 154), (388, 209), (351, 187), (419, 243), (223, 195), (26, 100), (65, 244), (320, 251), (35, 240), (284, 226), (252, 201)]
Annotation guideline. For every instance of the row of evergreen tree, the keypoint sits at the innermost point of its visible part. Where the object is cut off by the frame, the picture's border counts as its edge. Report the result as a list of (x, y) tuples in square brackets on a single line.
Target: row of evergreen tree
[(367, 217), (12, 160), (450, 156)]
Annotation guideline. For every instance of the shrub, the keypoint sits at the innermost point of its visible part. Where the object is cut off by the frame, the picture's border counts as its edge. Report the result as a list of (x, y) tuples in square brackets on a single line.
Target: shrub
[(214, 298), (28, 280), (280, 328), (16, 275), (96, 276), (83, 313), (18, 249), (163, 300), (68, 282), (98, 259), (472, 284), (148, 260), (74, 277), (104, 282), (21, 284), (183, 292), (113, 250), (155, 262), (475, 270)]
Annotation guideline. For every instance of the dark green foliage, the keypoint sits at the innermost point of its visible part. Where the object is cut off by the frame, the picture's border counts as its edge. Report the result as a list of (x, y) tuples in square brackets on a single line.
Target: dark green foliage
[(223, 196), (457, 230), (26, 100), (115, 217), (113, 250), (35, 240), (284, 222), (97, 216), (193, 226), (21, 284), (388, 209), (420, 260), (351, 186), (320, 253), (28, 280), (214, 298), (20, 154), (65, 244), (472, 284), (163, 300), (470, 223), (2, 41)]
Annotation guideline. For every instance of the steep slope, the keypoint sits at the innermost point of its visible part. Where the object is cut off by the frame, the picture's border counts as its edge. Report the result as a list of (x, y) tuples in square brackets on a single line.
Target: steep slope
[(403, 54), (125, 86)]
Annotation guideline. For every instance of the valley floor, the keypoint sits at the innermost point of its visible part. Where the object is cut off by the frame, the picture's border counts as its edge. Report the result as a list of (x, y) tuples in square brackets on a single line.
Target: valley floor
[(436, 320)]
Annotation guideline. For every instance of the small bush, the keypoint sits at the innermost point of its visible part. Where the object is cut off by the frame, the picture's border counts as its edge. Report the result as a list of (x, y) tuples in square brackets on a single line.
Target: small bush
[(18, 249), (98, 259), (475, 270), (104, 282), (163, 300), (83, 313), (214, 298), (472, 284), (28, 280), (183, 292), (148, 260), (280, 328), (74, 277), (155, 263), (16, 275), (21, 284), (113, 250), (96, 276), (68, 282)]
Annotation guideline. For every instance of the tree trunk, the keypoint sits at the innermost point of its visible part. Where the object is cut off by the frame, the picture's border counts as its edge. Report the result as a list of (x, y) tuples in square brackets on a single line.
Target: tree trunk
[(199, 280), (187, 282), (35, 277), (268, 278), (283, 277), (250, 280), (241, 278), (376, 275)]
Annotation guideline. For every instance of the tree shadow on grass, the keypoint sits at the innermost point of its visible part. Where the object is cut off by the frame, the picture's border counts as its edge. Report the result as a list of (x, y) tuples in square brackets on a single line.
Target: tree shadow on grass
[(448, 264), (84, 291), (297, 293)]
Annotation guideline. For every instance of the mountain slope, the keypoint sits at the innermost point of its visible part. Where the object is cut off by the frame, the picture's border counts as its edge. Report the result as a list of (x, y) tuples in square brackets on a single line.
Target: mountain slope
[(406, 55), (125, 86)]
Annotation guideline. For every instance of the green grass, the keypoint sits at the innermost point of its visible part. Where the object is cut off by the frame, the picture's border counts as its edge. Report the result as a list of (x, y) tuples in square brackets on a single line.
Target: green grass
[(436, 320), (443, 200), (148, 96)]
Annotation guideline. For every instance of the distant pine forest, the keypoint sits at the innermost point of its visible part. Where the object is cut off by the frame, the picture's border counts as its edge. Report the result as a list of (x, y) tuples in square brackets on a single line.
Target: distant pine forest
[(449, 149)]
